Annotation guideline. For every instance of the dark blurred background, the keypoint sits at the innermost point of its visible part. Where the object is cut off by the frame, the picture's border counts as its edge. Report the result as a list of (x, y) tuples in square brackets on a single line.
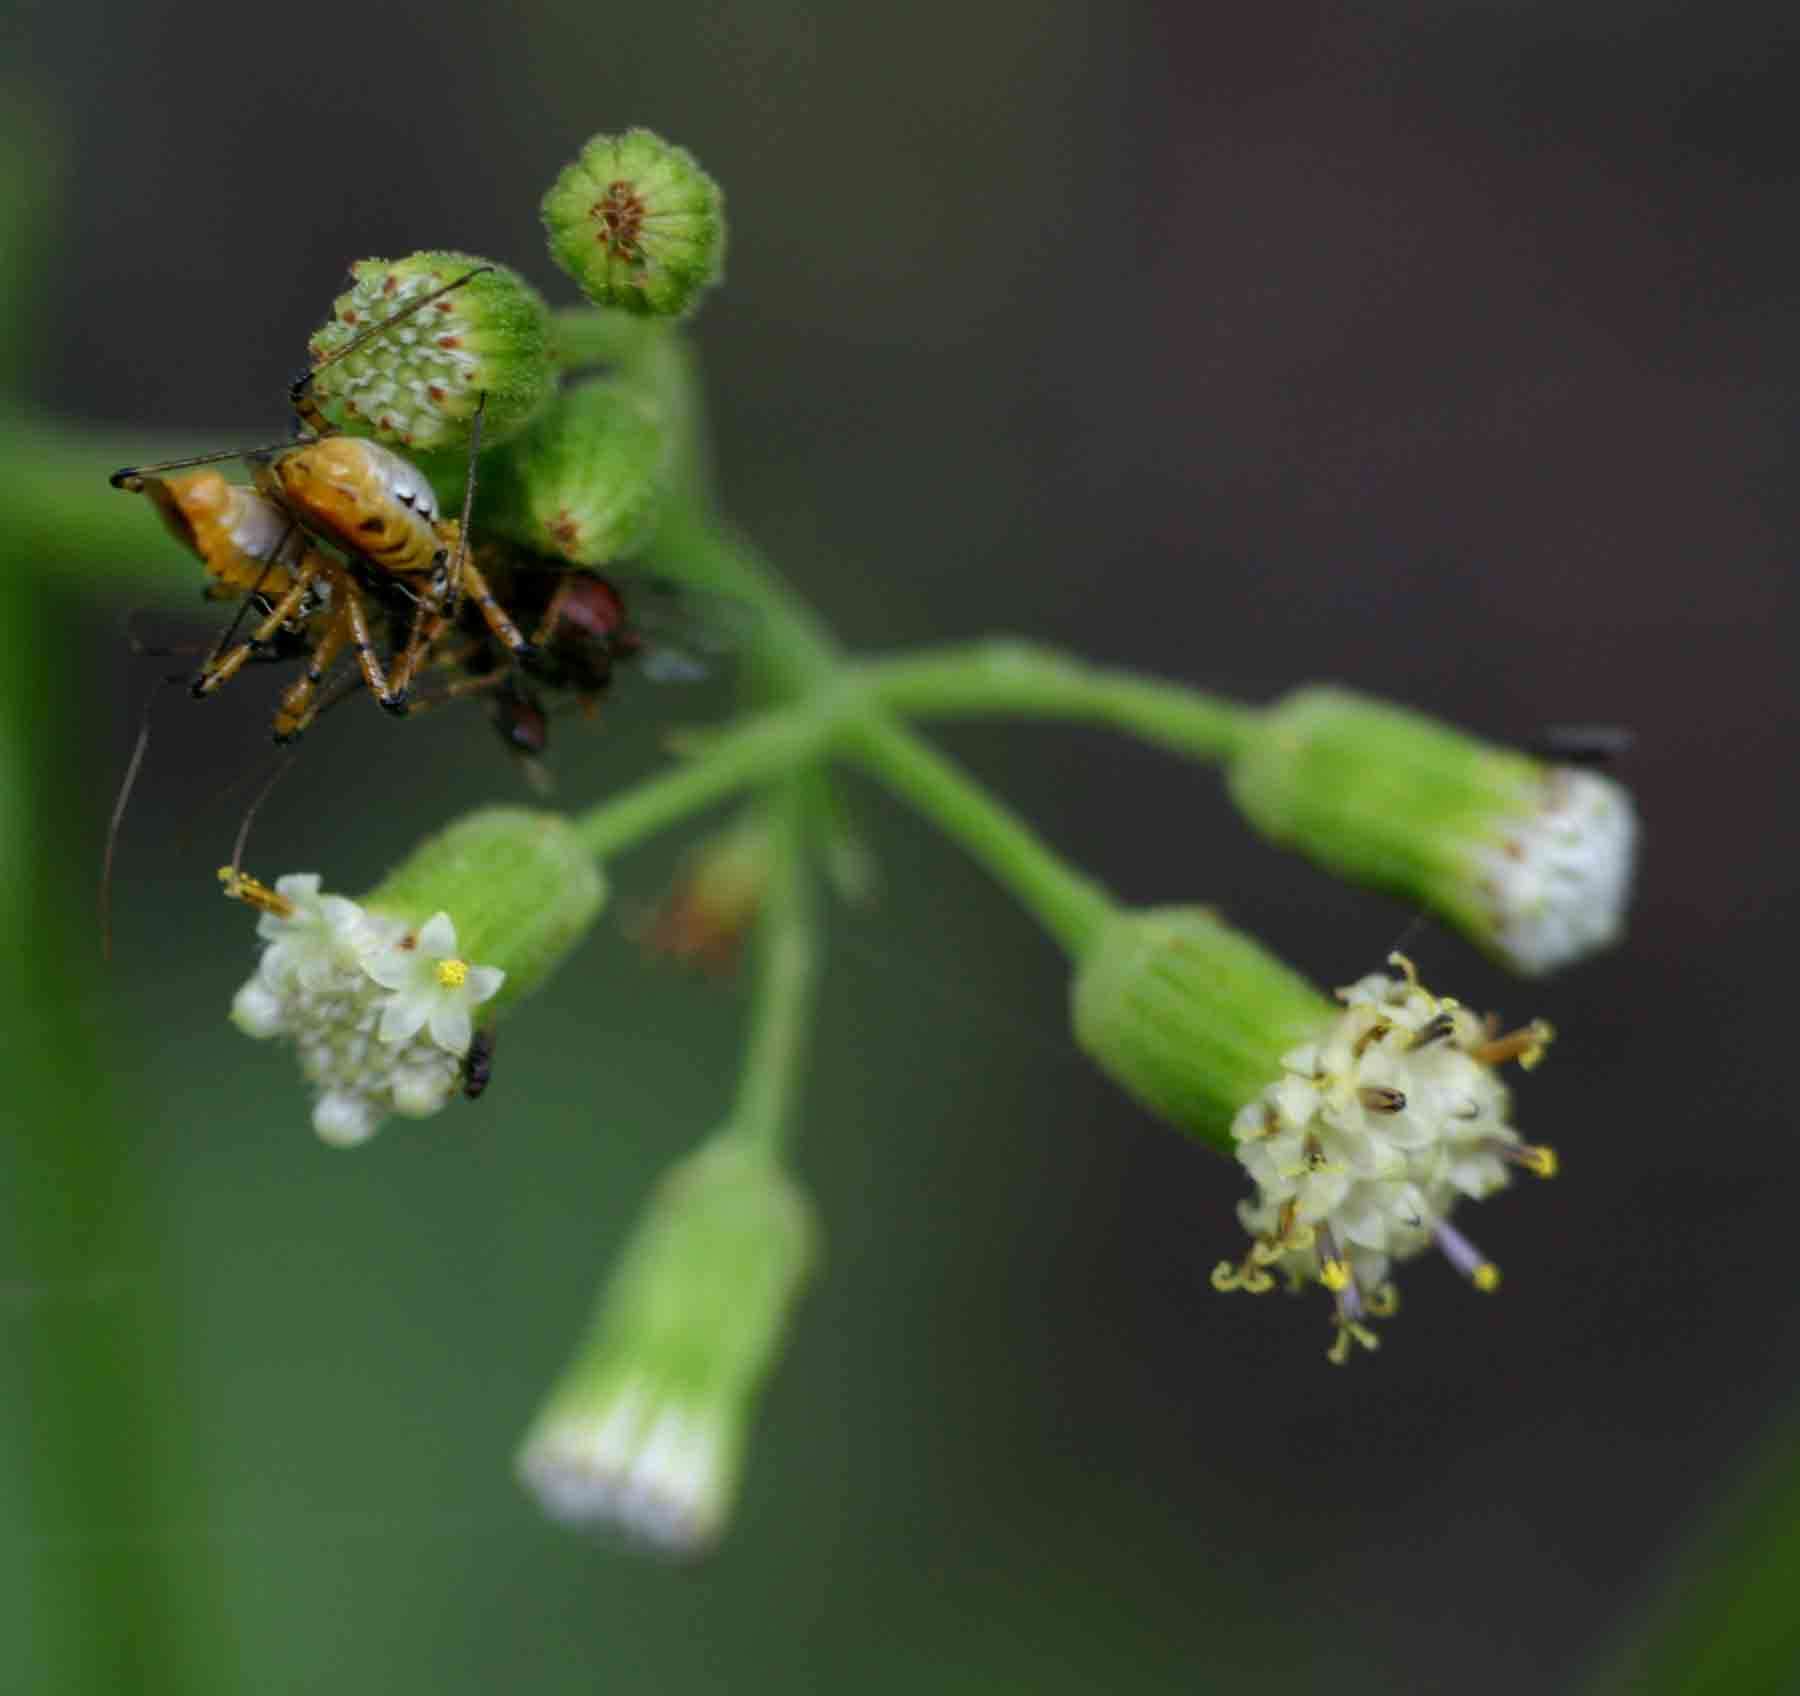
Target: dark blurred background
[(1442, 349)]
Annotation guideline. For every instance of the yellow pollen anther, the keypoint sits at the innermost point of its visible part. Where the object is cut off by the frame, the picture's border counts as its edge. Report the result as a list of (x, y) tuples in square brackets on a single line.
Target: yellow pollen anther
[(241, 886), (451, 974), (1539, 1159), (1350, 1332), (1384, 1302), (1487, 1277), (1334, 1275), (1526, 1046)]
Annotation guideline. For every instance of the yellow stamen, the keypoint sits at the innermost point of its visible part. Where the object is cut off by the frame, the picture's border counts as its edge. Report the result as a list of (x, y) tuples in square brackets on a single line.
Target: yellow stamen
[(241, 886), (1225, 1276), (1487, 1277), (451, 974), (1350, 1332), (1539, 1159), (1384, 1302), (1526, 1046), (1334, 1275)]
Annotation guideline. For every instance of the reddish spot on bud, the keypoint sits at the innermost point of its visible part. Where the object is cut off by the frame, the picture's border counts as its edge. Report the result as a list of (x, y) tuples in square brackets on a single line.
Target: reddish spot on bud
[(620, 214), (437, 394), (391, 284), (444, 305), (449, 341), (384, 422), (348, 315)]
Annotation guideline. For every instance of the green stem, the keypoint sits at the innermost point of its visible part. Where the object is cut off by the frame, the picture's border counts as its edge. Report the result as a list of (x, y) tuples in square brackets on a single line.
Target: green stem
[(1021, 679), (597, 335), (1071, 906), (754, 752), (784, 992)]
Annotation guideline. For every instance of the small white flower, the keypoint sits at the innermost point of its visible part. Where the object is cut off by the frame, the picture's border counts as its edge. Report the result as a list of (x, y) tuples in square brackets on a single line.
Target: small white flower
[(431, 987), (380, 1019), (643, 1465), (1368, 1139), (1557, 882), (319, 940)]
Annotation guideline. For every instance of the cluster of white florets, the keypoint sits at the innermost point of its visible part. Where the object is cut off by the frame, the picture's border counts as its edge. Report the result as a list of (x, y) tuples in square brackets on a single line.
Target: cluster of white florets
[(381, 1015), (1367, 1141), (642, 1464), (1557, 882)]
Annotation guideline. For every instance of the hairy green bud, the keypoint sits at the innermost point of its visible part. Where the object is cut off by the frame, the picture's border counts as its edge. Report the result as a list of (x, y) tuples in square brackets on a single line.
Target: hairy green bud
[(645, 1432), (637, 224), (418, 383), (1531, 861), (586, 482)]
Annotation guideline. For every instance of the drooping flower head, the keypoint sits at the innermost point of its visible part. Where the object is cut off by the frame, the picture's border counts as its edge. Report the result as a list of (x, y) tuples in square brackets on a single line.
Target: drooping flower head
[(1531, 860), (1368, 1139), (381, 998), (1362, 1123)]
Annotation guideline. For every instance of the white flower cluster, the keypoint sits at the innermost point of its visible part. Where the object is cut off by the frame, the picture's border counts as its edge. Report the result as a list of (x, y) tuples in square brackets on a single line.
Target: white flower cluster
[(644, 1466), (1558, 881), (1368, 1139), (382, 1016)]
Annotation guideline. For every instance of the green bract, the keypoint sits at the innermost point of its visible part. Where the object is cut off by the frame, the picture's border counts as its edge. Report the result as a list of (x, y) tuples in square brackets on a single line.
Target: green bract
[(1189, 1016), (417, 385), (638, 224), (586, 482)]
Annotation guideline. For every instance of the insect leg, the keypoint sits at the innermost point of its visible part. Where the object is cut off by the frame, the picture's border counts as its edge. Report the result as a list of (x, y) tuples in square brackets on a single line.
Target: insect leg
[(298, 704), (222, 667)]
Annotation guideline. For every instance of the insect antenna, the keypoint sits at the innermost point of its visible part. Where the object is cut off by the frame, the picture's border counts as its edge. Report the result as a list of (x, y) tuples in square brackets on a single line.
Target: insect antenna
[(462, 534), (132, 767), (132, 476), (250, 812)]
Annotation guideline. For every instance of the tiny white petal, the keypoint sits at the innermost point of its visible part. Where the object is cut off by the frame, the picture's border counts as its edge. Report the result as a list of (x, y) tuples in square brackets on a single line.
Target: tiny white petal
[(437, 937), (258, 1011), (344, 1120), (403, 1017)]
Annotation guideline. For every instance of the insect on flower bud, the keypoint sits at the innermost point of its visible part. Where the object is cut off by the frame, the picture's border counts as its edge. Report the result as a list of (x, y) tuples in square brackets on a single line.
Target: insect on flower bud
[(586, 481), (645, 1432), (1531, 861), (638, 224), (417, 384), (381, 998)]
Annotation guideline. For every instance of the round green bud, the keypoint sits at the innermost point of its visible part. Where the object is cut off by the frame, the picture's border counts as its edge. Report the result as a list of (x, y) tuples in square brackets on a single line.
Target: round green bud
[(519, 887), (1531, 861), (645, 1432), (1188, 1016), (586, 481), (637, 224), (417, 383)]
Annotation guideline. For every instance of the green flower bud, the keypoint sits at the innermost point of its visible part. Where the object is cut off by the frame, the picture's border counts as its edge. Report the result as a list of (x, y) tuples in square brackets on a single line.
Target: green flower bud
[(521, 888), (418, 383), (382, 998), (586, 482), (645, 1431), (1531, 861), (637, 224), (1189, 1016)]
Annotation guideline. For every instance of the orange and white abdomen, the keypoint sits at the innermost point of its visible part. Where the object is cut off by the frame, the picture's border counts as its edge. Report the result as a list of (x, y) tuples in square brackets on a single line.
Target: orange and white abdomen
[(363, 498), (245, 539)]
